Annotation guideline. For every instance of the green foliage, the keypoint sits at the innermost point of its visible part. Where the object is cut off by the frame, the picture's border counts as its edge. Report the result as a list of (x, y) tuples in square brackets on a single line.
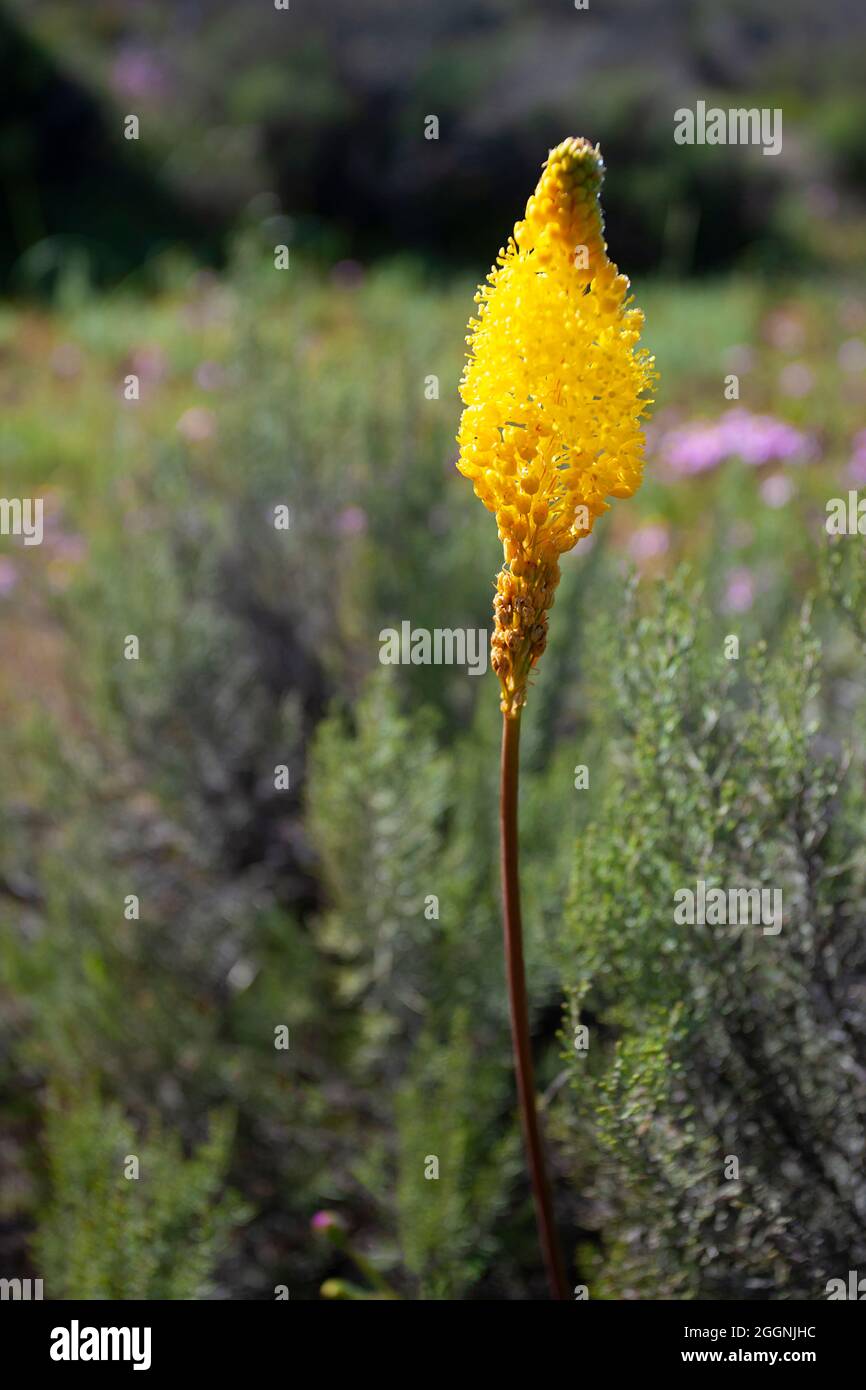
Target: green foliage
[(731, 1042), (446, 1111), (107, 1235), (844, 575), (376, 806)]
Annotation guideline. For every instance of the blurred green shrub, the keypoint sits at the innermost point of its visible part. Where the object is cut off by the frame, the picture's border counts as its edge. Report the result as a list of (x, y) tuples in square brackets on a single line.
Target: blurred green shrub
[(377, 801), (108, 1234), (456, 1166), (708, 1045)]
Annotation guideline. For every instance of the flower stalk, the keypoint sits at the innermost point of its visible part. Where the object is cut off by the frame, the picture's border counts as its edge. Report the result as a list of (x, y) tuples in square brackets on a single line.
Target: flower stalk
[(554, 390), (519, 1007)]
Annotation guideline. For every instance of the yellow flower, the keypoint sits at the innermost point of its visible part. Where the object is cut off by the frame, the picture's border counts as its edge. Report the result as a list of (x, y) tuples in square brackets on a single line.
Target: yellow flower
[(554, 389)]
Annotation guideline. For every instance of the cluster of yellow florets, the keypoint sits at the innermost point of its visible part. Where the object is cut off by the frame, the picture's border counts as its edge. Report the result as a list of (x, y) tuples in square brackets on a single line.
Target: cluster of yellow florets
[(554, 390)]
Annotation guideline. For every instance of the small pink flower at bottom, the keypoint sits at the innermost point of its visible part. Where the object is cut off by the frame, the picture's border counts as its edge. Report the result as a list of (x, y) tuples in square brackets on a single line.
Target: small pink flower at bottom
[(327, 1221)]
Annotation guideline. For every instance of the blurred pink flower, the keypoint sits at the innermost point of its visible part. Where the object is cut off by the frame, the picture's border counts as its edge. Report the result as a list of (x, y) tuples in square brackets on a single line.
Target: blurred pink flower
[(351, 521), (66, 550), (149, 364), (739, 591), (68, 545), (649, 541), (137, 72), (692, 448), (756, 439), (777, 490), (197, 424), (857, 463), (329, 1222), (8, 576), (52, 513), (210, 376)]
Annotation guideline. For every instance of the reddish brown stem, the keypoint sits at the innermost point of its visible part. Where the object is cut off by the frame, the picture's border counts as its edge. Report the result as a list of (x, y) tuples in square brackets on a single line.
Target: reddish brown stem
[(519, 1010)]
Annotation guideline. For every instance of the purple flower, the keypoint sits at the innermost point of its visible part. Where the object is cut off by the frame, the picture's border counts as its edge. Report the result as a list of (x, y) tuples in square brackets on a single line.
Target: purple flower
[(137, 72), (351, 521), (692, 448), (150, 364), (739, 592), (648, 542), (8, 576), (761, 439), (755, 439), (328, 1223), (857, 464), (69, 546)]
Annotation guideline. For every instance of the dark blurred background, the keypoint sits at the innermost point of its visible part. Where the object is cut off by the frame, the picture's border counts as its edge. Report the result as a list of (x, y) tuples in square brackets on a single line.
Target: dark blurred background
[(318, 112)]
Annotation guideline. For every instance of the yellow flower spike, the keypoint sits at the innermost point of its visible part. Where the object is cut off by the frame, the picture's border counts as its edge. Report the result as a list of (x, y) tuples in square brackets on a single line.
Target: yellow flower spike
[(554, 390)]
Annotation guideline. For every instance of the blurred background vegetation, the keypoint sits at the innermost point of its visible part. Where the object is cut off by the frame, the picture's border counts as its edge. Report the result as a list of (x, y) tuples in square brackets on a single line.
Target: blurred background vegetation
[(316, 116), (262, 908)]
